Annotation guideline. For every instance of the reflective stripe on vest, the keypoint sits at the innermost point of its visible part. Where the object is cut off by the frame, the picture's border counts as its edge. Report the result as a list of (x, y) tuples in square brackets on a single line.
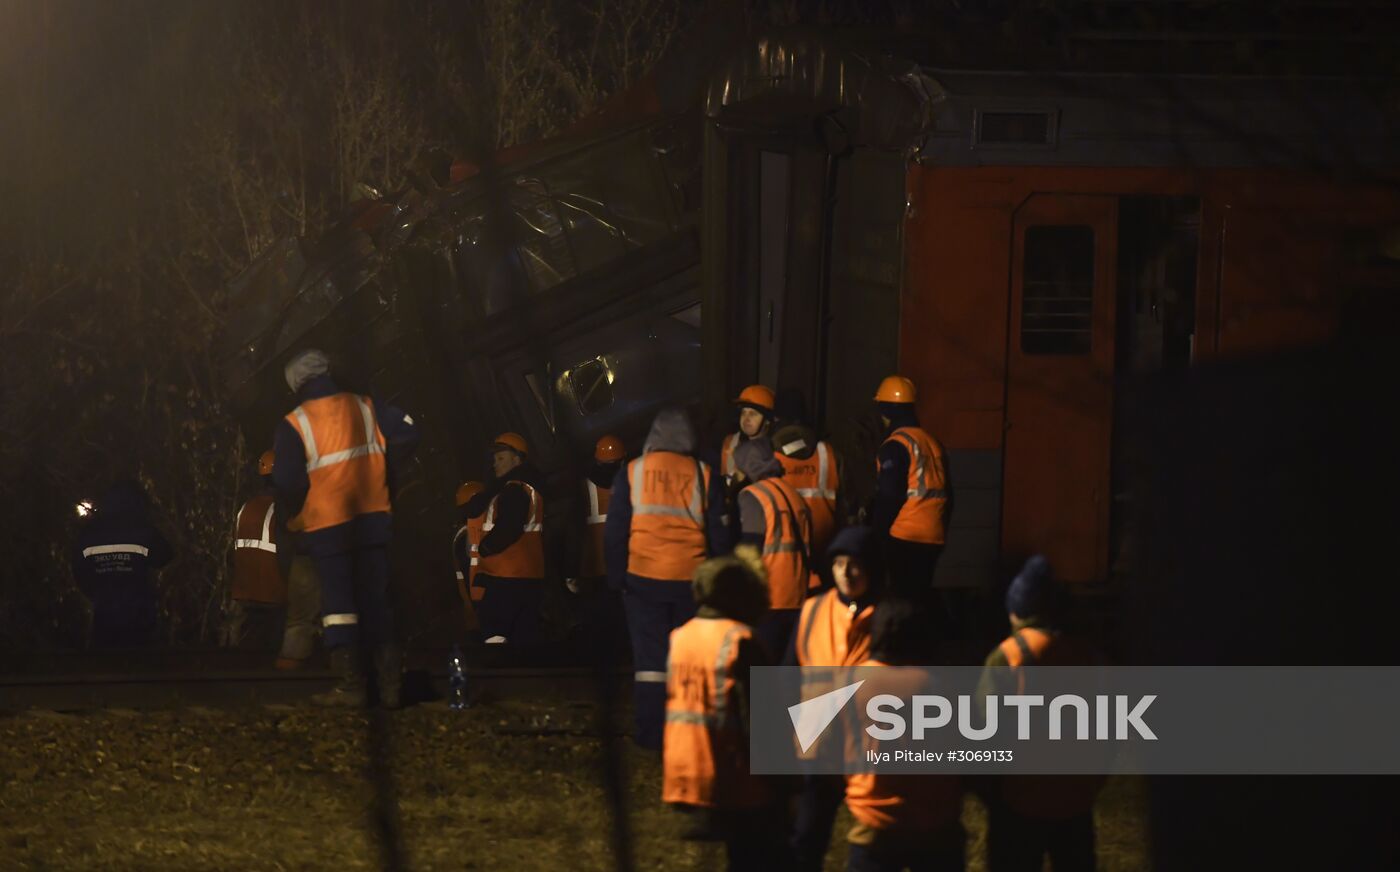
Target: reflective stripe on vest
[(117, 549), (788, 524), (592, 563), (523, 558), (921, 518), (532, 518), (825, 475), (817, 480), (265, 543), (596, 515), (314, 460), (705, 753), (345, 460), (668, 494)]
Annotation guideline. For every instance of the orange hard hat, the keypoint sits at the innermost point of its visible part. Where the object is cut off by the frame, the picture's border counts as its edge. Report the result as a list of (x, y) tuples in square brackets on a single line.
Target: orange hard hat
[(513, 441), (609, 449), (758, 396), (265, 462), (895, 389), (468, 490)]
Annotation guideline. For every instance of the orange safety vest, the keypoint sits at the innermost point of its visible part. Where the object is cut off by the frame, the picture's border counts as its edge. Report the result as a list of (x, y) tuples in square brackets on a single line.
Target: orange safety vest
[(726, 454), (465, 583), (817, 481), (525, 556), (1046, 797), (788, 530), (256, 575), (831, 633), (344, 460), (592, 565), (705, 752), (668, 491), (925, 509), (904, 803)]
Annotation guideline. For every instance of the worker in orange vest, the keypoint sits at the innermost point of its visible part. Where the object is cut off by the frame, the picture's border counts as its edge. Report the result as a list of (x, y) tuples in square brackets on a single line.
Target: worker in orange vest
[(810, 465), (911, 494), (334, 460), (257, 587), (901, 820), (833, 632), (755, 404), (601, 617), (1030, 816), (510, 573), (665, 516), (270, 575), (774, 520), (465, 543), (706, 771)]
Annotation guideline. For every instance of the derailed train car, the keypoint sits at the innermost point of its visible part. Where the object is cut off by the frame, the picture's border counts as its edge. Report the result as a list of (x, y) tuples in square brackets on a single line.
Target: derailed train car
[(1026, 245), (556, 295)]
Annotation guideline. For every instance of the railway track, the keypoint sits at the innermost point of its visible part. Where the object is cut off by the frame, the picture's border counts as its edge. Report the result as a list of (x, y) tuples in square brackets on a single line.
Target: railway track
[(163, 689)]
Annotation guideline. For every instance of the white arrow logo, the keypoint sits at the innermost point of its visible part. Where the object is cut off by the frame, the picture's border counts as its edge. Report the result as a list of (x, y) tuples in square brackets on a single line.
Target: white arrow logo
[(811, 717)]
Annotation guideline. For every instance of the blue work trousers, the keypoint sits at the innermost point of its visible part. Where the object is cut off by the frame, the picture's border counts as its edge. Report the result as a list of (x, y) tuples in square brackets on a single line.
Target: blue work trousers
[(355, 597), (654, 609)]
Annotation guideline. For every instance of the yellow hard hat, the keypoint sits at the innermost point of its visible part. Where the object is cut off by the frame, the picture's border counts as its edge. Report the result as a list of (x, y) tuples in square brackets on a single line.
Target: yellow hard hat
[(758, 396), (468, 490), (895, 389), (513, 441), (265, 462), (609, 449)]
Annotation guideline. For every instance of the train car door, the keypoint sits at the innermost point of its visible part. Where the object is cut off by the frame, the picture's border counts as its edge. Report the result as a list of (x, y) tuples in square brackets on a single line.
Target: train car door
[(1059, 404)]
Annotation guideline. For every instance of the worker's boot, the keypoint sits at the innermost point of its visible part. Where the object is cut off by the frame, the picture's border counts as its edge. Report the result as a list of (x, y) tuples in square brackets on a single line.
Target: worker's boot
[(388, 673), (350, 691)]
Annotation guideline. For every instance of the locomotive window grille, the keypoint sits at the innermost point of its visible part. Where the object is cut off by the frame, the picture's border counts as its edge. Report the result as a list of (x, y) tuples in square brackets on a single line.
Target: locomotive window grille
[(1057, 294)]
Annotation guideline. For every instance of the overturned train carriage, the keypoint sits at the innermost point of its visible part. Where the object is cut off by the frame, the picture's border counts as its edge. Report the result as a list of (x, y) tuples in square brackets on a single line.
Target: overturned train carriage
[(1027, 246), (556, 295)]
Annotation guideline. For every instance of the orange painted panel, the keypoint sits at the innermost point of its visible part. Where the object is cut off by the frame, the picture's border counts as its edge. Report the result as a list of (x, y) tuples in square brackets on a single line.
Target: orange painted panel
[(953, 308), (1059, 406)]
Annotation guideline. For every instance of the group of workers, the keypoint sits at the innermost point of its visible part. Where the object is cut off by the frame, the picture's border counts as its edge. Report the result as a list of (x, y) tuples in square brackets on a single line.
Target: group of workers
[(743, 557)]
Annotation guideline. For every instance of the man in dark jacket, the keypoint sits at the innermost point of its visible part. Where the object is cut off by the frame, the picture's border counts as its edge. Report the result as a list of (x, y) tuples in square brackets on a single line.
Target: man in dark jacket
[(510, 567), (1032, 816), (333, 472), (113, 562)]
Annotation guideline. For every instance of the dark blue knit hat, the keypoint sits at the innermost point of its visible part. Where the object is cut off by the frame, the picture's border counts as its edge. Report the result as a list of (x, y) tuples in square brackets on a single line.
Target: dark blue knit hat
[(859, 542), (863, 544), (1033, 590)]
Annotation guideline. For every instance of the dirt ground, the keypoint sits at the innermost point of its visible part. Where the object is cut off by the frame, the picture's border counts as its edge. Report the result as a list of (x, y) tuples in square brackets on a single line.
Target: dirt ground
[(283, 787)]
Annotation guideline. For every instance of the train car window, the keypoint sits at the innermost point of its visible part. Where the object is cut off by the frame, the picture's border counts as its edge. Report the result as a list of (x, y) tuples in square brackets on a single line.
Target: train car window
[(1057, 294), (589, 385), (1036, 129)]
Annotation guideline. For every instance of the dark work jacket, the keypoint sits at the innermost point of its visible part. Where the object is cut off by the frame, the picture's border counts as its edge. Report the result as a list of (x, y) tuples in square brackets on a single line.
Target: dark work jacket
[(512, 509), (113, 574), (892, 477), (289, 474)]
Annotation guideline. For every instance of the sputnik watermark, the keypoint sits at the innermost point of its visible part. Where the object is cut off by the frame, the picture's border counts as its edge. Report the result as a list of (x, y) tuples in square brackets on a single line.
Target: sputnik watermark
[(885, 708), (1075, 720), (931, 712)]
